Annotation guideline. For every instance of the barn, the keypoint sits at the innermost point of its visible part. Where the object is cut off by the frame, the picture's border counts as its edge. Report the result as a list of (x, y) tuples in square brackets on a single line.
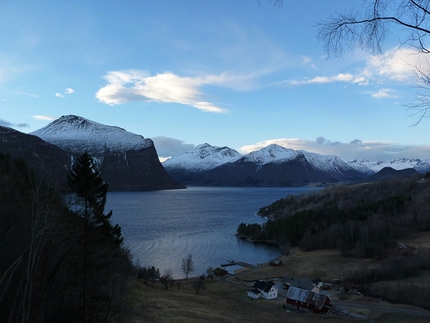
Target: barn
[(306, 299)]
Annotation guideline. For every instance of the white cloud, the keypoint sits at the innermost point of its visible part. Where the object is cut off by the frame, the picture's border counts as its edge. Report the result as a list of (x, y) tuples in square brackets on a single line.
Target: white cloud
[(136, 85), (66, 91), (168, 147), (342, 77), (27, 94), (355, 149), (44, 118), (399, 65), (384, 93)]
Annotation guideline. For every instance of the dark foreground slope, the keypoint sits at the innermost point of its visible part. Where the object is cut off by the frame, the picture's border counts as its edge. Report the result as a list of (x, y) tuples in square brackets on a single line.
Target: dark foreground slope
[(40, 155)]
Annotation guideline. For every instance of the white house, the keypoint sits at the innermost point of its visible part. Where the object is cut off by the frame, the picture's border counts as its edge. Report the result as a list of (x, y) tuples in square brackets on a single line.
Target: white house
[(267, 290)]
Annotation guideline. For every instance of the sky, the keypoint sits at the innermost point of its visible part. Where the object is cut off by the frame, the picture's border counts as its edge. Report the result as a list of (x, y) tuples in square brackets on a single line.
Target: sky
[(234, 73)]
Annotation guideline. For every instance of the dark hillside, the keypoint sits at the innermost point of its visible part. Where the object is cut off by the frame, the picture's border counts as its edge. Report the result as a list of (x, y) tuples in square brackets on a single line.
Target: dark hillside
[(43, 271), (40, 155), (388, 172), (361, 220)]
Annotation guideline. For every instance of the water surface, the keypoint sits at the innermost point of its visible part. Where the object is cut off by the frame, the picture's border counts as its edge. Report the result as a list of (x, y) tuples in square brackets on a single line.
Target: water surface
[(162, 227)]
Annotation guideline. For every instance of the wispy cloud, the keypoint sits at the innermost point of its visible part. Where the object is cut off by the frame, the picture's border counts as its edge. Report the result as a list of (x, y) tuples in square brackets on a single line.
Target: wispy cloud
[(326, 79), (44, 118), (355, 149), (66, 91), (32, 95), (13, 125), (137, 85)]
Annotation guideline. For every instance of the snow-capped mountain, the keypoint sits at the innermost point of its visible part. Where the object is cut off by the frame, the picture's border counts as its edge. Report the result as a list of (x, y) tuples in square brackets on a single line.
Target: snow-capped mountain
[(77, 134), (203, 157), (327, 163), (273, 165), (127, 161), (278, 154), (420, 165), (270, 154)]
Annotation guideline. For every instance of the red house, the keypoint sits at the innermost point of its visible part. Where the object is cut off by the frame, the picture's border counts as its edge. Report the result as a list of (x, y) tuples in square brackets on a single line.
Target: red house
[(306, 299)]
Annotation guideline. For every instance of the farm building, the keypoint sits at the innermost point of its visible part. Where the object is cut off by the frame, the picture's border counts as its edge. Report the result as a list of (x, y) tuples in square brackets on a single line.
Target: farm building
[(306, 299), (254, 293), (267, 290)]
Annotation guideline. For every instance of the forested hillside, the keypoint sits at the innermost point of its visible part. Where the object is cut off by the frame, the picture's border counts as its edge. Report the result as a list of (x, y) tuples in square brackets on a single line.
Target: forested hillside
[(360, 220), (57, 265)]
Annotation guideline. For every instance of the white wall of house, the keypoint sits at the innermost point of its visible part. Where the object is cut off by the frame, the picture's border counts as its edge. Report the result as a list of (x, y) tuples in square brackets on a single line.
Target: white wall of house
[(253, 295), (273, 293)]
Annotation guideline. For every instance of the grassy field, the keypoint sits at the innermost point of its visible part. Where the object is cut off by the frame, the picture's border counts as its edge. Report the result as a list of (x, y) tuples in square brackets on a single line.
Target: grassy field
[(225, 300)]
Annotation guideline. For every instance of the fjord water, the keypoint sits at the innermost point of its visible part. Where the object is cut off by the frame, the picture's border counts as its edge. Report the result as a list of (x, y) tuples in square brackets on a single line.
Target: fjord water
[(162, 227)]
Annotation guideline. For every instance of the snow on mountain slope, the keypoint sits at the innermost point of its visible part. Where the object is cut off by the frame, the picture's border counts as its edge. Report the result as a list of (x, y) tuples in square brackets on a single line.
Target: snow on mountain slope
[(278, 154), (423, 166), (75, 133), (203, 157), (327, 163), (270, 154), (397, 164)]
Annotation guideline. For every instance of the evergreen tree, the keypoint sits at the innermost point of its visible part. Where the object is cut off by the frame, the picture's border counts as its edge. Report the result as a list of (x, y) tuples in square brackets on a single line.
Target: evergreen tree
[(86, 182)]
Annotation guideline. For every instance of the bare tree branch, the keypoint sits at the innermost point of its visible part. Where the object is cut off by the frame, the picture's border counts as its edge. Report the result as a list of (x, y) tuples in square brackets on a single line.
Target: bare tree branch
[(368, 28), (278, 3)]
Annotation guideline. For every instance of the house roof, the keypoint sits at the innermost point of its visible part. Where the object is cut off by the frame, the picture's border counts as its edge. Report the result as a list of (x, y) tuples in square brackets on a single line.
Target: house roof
[(317, 300), (263, 285), (301, 282), (255, 291)]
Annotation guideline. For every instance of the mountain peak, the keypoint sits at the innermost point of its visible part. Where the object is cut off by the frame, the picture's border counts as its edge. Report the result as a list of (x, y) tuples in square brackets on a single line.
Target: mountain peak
[(75, 133), (271, 154), (203, 157)]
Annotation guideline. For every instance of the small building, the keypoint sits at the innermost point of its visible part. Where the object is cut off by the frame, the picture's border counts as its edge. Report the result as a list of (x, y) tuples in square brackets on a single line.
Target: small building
[(267, 290), (220, 272), (276, 263), (306, 299), (254, 293)]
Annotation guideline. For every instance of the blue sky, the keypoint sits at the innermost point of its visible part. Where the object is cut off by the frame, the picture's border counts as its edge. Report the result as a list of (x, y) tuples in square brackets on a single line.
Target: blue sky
[(227, 73)]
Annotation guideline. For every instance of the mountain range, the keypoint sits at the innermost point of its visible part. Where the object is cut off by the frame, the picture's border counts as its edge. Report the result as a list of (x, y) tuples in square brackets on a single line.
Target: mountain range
[(126, 161), (129, 161), (275, 165)]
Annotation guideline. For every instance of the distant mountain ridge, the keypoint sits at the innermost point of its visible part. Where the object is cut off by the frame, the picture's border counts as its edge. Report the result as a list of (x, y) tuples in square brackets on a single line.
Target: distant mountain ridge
[(129, 161), (273, 165), (422, 166), (188, 167)]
